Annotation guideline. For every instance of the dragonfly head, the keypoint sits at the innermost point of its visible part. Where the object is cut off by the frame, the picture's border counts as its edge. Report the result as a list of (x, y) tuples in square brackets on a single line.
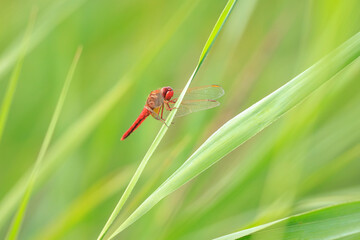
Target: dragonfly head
[(167, 93)]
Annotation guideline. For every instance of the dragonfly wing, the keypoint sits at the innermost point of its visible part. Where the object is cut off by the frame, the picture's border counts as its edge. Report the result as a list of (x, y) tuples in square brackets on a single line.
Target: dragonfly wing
[(190, 106), (204, 92)]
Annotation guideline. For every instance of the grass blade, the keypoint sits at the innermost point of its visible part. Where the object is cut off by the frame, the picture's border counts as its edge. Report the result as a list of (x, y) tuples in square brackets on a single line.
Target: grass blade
[(216, 30), (10, 91), (16, 224), (221, 21), (326, 223), (251, 121)]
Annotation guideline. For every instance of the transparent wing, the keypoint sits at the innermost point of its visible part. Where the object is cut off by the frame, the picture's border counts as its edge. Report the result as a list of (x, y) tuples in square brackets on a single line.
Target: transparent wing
[(204, 92), (196, 99), (190, 106)]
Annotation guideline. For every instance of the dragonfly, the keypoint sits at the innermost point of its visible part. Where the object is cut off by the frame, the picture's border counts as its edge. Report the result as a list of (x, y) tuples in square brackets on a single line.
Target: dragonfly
[(161, 101)]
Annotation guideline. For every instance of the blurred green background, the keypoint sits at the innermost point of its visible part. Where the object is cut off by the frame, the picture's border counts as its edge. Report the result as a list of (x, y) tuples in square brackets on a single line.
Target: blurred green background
[(309, 158)]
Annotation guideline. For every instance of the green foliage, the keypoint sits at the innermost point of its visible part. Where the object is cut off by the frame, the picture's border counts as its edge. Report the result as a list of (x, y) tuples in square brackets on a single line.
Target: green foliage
[(16, 224), (287, 155), (10, 90), (342, 220), (221, 21), (251, 121)]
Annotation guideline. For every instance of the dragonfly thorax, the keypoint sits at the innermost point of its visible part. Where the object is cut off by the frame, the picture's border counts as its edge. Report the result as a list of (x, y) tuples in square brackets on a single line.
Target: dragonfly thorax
[(155, 99)]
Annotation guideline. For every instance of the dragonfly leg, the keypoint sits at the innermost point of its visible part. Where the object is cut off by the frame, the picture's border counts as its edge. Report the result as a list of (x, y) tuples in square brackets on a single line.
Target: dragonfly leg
[(162, 120), (167, 105), (162, 111), (157, 117)]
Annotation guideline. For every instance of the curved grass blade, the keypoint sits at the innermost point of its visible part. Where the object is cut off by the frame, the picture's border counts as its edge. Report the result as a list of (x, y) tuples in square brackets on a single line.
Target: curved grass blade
[(233, 179), (327, 223), (10, 91), (221, 21), (251, 121), (16, 224)]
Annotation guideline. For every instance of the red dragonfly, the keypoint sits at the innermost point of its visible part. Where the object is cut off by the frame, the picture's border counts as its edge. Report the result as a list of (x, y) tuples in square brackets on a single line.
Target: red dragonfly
[(161, 101)]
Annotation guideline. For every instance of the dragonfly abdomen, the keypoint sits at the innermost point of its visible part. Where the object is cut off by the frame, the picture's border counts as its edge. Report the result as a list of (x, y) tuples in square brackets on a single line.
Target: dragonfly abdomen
[(143, 115)]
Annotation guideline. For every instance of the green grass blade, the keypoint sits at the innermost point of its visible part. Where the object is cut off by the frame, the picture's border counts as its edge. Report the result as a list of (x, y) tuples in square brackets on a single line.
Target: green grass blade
[(10, 91), (251, 121), (221, 21), (15, 227), (327, 223), (216, 30)]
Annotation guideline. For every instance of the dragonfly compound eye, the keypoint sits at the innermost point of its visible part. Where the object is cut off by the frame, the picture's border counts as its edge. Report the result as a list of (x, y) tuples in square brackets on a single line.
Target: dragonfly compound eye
[(169, 94)]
